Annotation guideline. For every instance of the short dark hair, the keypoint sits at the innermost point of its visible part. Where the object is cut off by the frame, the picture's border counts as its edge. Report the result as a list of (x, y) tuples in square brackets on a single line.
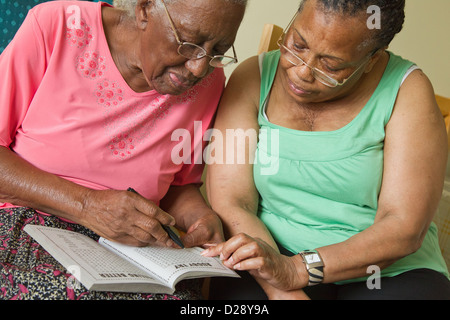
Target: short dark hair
[(392, 15)]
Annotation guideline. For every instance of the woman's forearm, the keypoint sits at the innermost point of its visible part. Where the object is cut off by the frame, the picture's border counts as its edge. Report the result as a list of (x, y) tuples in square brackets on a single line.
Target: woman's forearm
[(238, 220), (23, 184), (117, 215), (202, 226), (380, 245), (185, 203)]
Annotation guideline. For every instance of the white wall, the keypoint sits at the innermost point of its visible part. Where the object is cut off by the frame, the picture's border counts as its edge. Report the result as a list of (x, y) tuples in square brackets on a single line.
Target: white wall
[(425, 38), (260, 12)]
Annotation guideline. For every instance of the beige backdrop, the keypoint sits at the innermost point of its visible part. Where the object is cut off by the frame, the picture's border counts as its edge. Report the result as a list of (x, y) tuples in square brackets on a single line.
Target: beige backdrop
[(425, 38)]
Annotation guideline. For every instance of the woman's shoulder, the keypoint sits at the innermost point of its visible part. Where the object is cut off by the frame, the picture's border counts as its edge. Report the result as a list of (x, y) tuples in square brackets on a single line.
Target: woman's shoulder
[(245, 79), (255, 65), (52, 7), (417, 98), (241, 95), (416, 104), (69, 13), (247, 69)]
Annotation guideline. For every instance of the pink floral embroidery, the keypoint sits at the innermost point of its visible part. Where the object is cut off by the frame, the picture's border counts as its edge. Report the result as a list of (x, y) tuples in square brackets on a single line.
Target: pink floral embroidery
[(132, 123), (79, 37), (108, 93), (91, 65), (122, 146)]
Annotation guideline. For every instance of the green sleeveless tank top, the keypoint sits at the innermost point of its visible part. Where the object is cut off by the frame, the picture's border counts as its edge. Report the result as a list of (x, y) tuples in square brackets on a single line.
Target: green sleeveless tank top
[(321, 188)]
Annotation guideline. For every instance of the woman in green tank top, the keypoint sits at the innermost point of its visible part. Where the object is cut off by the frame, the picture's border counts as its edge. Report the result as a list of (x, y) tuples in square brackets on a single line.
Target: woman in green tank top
[(341, 186)]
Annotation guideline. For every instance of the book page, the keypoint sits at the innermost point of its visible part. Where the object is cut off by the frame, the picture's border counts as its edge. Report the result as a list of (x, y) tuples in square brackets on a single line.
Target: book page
[(170, 264), (85, 258)]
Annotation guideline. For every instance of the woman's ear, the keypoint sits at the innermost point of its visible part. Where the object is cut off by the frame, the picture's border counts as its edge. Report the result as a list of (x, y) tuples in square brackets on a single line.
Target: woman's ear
[(142, 12)]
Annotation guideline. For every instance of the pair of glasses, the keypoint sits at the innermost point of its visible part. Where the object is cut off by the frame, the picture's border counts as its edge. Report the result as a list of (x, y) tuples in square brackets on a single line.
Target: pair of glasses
[(318, 74), (192, 51)]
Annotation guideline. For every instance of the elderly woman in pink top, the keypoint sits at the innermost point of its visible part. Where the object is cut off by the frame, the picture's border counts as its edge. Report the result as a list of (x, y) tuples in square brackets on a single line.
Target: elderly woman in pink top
[(90, 96)]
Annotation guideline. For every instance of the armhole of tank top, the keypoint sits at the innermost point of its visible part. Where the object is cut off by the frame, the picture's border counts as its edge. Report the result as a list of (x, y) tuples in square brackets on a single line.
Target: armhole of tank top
[(260, 62), (406, 75), (263, 105), (408, 72)]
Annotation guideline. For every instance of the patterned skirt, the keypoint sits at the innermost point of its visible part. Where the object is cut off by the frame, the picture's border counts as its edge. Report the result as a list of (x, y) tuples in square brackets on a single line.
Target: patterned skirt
[(28, 272)]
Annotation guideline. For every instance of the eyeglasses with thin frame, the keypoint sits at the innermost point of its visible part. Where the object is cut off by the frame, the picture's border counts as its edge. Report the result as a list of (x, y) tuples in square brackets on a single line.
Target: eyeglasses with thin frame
[(318, 74), (192, 51)]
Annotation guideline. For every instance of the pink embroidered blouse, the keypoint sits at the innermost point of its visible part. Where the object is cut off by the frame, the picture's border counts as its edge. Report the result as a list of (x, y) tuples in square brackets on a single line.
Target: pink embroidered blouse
[(66, 109)]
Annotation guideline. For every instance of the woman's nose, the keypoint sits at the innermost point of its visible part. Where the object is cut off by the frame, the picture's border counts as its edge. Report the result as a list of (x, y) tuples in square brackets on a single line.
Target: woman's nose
[(304, 72), (199, 67)]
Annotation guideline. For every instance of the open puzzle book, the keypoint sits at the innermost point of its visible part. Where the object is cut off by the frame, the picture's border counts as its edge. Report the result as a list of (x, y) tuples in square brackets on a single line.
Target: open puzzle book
[(109, 266)]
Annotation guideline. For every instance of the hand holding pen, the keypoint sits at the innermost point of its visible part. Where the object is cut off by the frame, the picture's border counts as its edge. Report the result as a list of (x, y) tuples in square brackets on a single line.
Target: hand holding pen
[(167, 228)]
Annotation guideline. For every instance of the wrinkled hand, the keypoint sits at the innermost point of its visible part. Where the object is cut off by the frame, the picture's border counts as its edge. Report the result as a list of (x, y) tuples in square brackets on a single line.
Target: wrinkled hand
[(206, 231), (243, 252), (126, 217)]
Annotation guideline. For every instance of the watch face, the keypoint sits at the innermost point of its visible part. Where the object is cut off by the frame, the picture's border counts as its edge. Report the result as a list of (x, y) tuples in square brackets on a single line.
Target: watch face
[(312, 258)]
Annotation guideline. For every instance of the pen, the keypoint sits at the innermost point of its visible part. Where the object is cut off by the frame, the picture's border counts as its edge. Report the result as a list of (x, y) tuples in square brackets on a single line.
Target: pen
[(169, 231)]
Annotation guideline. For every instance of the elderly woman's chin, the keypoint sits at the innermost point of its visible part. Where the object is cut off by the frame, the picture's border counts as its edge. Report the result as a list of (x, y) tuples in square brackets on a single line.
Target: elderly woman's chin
[(170, 84)]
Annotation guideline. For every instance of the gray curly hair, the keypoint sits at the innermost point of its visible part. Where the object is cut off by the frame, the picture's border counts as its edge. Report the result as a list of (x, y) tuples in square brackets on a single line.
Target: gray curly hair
[(130, 5)]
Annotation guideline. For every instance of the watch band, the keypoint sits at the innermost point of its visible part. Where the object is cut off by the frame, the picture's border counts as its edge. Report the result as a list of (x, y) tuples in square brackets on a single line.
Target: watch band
[(314, 266)]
